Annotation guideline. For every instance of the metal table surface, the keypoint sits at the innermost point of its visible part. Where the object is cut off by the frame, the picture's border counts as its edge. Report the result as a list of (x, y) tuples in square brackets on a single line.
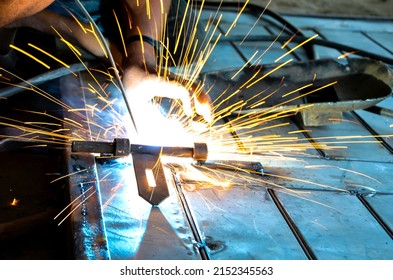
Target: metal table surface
[(326, 223), (329, 203), (326, 191)]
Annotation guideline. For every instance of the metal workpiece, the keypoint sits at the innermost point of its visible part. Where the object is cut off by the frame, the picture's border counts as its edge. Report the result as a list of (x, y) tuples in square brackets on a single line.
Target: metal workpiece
[(135, 229), (198, 152), (339, 87), (86, 221), (118, 147), (121, 147), (150, 177)]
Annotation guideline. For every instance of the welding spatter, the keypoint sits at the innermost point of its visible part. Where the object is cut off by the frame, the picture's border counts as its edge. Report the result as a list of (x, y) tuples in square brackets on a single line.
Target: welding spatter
[(121, 147)]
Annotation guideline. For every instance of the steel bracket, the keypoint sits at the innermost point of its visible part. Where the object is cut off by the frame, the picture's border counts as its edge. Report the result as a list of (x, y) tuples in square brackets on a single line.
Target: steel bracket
[(149, 168)]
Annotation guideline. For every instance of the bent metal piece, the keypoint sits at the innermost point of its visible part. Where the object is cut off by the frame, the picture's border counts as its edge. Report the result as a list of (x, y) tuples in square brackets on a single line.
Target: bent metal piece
[(321, 90)]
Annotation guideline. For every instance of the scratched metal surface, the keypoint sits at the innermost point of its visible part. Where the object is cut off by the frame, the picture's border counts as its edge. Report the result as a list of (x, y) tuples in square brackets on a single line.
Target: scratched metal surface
[(252, 221), (356, 224)]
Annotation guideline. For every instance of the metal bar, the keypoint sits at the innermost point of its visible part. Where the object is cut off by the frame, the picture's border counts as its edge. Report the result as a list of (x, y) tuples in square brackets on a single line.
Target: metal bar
[(122, 147), (375, 215), (234, 134), (309, 138), (86, 220), (154, 190), (160, 150), (93, 147), (374, 133), (298, 235), (200, 243)]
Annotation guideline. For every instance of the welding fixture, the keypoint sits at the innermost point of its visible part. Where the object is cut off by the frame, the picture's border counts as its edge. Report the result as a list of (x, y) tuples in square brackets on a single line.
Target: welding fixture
[(146, 162)]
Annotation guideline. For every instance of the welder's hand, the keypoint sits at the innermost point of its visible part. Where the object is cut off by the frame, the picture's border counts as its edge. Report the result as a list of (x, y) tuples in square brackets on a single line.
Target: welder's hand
[(142, 87), (70, 31)]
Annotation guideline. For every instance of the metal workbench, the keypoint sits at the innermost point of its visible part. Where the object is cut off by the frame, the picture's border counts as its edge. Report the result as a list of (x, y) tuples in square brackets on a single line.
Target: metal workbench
[(312, 203), (257, 222)]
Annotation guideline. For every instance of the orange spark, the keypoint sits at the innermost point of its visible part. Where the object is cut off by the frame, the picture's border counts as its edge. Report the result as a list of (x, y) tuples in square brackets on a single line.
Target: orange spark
[(295, 48), (289, 40), (30, 55), (299, 131), (346, 54), (344, 120), (237, 18), (255, 23), (52, 56), (245, 64), (121, 34), (296, 90), (307, 93), (14, 202), (270, 72), (76, 19)]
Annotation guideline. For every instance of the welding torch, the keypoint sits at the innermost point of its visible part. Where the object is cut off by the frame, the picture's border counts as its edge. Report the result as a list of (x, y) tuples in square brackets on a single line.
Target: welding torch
[(121, 147)]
